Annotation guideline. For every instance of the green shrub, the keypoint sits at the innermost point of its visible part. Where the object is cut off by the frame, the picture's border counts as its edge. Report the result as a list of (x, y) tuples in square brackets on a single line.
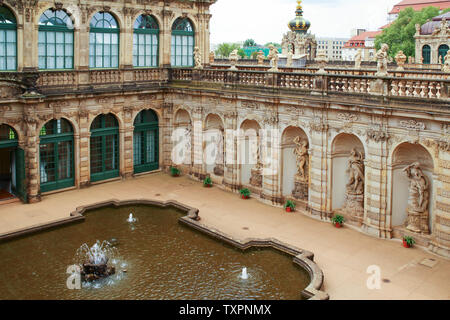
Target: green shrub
[(207, 181), (338, 219), (174, 172), (289, 204), (245, 192), (409, 240)]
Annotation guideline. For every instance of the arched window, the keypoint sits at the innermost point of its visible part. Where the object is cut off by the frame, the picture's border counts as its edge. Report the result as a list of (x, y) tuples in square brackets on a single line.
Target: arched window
[(104, 148), (145, 42), (442, 52), (145, 142), (56, 155), (55, 41), (103, 41), (182, 53), (8, 40), (426, 54), (8, 137)]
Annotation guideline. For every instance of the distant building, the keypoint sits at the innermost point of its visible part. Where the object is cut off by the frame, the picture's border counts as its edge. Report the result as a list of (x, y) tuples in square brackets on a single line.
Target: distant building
[(364, 41), (332, 47), (433, 40), (417, 5)]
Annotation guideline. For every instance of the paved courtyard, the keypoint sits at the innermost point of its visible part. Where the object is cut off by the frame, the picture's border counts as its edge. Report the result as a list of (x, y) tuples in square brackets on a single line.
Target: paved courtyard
[(342, 254)]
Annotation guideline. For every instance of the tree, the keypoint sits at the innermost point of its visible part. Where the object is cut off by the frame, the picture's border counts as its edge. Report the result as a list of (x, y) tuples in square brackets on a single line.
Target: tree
[(241, 53), (400, 35), (277, 45), (225, 49), (250, 43)]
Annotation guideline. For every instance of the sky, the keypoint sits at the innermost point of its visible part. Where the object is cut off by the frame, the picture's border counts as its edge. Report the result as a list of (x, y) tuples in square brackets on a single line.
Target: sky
[(266, 20)]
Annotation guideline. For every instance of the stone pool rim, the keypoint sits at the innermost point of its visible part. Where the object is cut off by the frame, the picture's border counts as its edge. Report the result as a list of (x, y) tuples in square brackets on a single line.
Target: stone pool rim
[(301, 257)]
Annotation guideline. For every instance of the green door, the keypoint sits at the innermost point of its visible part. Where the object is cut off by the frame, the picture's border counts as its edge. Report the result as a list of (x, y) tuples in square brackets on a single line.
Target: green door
[(21, 183), (146, 142), (104, 148), (426, 54), (56, 156)]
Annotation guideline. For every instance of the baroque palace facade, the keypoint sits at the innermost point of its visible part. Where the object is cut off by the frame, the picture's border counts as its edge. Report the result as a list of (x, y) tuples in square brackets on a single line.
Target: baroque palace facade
[(92, 91)]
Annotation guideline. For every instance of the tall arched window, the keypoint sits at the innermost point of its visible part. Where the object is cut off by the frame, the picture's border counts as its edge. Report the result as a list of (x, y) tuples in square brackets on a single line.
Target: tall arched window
[(145, 142), (56, 155), (104, 147), (8, 40), (182, 53), (145, 42), (442, 52), (426, 54), (104, 41), (55, 40)]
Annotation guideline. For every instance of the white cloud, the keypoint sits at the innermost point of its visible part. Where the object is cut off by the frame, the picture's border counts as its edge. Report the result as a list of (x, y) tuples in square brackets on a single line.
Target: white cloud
[(266, 20)]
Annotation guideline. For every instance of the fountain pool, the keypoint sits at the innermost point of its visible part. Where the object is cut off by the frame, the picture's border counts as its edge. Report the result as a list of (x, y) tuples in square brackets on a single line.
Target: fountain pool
[(160, 259)]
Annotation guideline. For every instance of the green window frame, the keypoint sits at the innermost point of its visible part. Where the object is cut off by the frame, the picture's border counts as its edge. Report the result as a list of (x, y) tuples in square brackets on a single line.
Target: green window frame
[(104, 148), (442, 52), (8, 137), (426, 54), (55, 41), (56, 155), (8, 40), (104, 42), (183, 42), (146, 42), (146, 142)]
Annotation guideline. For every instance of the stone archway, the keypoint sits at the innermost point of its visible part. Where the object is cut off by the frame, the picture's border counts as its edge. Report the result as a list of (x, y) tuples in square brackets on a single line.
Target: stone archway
[(214, 146), (411, 200), (182, 140), (249, 155), (348, 177)]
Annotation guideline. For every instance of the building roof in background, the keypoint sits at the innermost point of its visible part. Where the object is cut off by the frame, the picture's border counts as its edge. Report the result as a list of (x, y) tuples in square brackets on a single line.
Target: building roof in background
[(418, 5), (359, 41), (429, 27)]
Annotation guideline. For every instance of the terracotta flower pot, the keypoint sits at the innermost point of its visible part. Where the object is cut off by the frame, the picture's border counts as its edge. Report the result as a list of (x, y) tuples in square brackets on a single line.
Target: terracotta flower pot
[(405, 244), (245, 197), (338, 225), (288, 209), (208, 185)]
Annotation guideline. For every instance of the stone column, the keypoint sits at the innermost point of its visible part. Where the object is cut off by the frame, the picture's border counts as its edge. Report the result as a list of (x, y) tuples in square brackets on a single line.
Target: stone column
[(230, 180), (166, 129), (271, 150), (165, 38), (126, 39), (30, 38), (197, 141), (128, 131), (377, 217), (319, 203), (85, 136), (31, 154)]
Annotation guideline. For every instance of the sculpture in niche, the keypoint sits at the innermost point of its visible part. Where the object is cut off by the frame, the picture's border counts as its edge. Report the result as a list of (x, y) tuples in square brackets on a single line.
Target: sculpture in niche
[(301, 178), (256, 172), (218, 169), (356, 171), (418, 201), (446, 65), (197, 58), (382, 58), (354, 195), (358, 59)]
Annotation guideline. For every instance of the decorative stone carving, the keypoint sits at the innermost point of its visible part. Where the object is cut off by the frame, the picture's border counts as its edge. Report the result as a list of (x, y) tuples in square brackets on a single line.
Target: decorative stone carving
[(322, 61), (219, 168), (301, 179), (256, 172), (358, 59), (273, 56), (377, 135), (197, 58), (347, 117), (212, 57), (442, 30), (289, 59), (400, 58), (417, 220), (446, 65), (260, 58), (412, 125), (382, 58), (234, 57)]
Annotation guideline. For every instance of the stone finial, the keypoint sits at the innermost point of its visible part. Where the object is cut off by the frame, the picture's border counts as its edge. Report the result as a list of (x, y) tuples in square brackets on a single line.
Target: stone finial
[(212, 57), (322, 61), (400, 58), (260, 58), (358, 59), (234, 57)]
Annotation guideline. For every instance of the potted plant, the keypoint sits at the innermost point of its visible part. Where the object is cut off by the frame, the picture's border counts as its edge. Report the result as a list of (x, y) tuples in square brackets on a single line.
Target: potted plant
[(408, 241), (289, 206), (245, 193), (207, 183), (174, 172), (338, 221)]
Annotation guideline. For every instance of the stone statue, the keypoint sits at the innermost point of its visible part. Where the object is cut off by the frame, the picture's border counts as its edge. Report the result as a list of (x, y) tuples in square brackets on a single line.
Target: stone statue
[(301, 153), (356, 171), (400, 58), (273, 56), (382, 58), (212, 57), (322, 61), (418, 199), (234, 57), (442, 29), (285, 44), (358, 59), (289, 60), (256, 172), (418, 29), (261, 58), (197, 58), (446, 65)]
